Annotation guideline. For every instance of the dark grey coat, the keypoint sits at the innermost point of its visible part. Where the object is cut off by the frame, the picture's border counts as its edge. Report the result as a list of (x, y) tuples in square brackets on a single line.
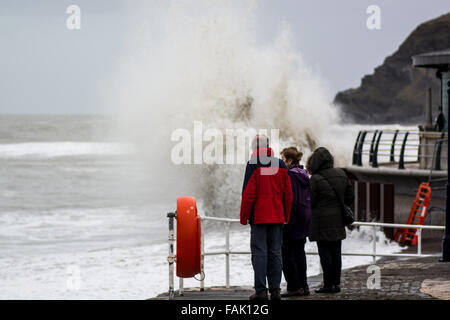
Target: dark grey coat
[(326, 221)]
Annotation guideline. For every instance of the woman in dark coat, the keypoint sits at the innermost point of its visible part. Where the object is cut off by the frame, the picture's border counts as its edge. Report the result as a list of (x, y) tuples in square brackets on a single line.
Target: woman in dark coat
[(327, 226), (296, 231)]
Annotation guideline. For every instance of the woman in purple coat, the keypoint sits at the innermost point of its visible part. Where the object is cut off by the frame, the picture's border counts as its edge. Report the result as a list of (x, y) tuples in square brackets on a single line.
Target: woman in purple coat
[(296, 231)]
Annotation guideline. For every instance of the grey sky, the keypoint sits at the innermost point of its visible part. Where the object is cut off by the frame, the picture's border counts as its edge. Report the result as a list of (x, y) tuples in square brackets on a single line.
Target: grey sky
[(46, 68)]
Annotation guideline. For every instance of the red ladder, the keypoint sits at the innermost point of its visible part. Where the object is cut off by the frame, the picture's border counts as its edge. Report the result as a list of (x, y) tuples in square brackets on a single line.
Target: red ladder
[(417, 216)]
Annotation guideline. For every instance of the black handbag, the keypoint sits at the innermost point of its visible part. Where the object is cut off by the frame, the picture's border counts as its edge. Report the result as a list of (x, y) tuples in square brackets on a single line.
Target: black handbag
[(347, 213)]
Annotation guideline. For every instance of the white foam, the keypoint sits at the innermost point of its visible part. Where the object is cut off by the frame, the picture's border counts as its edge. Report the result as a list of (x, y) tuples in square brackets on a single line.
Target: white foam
[(64, 230), (142, 272), (201, 61), (61, 149)]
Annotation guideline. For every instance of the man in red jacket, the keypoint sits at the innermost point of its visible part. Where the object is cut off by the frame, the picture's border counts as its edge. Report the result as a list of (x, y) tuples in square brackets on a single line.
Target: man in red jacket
[(266, 205)]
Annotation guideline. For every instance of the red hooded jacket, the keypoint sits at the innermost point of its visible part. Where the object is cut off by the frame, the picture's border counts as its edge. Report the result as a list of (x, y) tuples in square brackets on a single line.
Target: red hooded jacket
[(267, 193)]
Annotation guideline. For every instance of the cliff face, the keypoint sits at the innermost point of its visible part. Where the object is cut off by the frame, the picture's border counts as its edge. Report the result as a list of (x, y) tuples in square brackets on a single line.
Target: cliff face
[(395, 92)]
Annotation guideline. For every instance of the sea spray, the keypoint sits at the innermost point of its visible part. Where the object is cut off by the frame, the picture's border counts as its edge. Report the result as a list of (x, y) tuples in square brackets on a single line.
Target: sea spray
[(200, 61)]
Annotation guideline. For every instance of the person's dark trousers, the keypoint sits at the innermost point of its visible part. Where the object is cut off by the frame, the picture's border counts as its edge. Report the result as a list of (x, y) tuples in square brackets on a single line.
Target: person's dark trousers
[(265, 243), (331, 261), (294, 263)]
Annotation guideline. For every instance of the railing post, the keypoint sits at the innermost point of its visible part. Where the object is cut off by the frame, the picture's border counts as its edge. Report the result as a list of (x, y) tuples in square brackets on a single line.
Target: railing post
[(401, 162), (355, 149), (394, 140), (181, 289), (374, 244), (372, 146), (227, 257), (360, 148), (375, 151), (419, 241), (202, 249), (446, 239), (171, 257)]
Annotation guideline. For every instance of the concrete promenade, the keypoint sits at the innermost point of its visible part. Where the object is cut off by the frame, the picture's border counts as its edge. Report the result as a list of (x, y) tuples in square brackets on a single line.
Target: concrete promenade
[(400, 279)]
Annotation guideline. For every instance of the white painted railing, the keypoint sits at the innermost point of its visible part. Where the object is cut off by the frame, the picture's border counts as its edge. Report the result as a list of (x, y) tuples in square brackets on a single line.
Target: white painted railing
[(227, 252)]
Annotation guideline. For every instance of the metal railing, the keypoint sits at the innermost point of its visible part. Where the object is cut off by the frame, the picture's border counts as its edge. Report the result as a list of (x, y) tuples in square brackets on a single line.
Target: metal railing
[(399, 146), (227, 252)]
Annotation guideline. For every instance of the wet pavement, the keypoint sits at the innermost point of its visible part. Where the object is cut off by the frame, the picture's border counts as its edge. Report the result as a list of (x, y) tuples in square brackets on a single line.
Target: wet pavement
[(389, 279)]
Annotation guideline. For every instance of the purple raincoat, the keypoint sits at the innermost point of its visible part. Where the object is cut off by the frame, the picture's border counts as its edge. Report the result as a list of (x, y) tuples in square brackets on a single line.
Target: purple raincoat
[(298, 226)]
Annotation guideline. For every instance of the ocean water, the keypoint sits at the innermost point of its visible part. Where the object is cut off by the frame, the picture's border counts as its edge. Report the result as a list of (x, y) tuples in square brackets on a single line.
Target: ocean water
[(82, 218)]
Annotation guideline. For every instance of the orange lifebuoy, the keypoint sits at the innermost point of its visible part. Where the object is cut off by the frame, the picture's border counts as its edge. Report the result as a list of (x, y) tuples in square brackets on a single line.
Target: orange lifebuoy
[(188, 238)]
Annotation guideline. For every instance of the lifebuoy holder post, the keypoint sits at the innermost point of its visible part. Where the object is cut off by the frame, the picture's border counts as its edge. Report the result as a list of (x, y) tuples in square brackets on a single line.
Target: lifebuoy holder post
[(188, 241)]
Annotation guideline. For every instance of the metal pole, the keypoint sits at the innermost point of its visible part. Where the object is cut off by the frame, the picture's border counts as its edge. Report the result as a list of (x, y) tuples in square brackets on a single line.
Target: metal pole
[(375, 151), (374, 244), (360, 149), (392, 155), (202, 282), (401, 162), (227, 257), (372, 146), (171, 257), (446, 240), (355, 149), (419, 242), (181, 289), (428, 112)]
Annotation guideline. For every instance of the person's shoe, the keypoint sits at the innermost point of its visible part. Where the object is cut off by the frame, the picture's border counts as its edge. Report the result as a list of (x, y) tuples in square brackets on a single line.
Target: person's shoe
[(259, 296), (336, 289), (287, 294), (325, 290), (306, 291), (275, 295)]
